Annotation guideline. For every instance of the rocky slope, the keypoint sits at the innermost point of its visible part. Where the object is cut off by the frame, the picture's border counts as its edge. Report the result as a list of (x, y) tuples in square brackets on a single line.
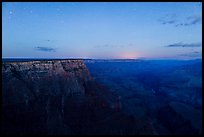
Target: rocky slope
[(35, 92), (59, 97)]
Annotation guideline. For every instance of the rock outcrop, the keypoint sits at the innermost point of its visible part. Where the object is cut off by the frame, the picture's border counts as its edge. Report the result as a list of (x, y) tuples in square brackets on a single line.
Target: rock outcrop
[(28, 80), (35, 94), (58, 97)]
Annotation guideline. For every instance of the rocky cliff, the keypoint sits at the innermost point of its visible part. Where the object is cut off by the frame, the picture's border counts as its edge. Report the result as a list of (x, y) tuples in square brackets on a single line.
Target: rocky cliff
[(35, 94), (59, 77), (58, 97), (26, 81)]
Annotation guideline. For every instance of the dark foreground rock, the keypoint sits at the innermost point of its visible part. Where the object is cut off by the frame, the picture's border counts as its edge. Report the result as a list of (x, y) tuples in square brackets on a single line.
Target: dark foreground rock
[(60, 97)]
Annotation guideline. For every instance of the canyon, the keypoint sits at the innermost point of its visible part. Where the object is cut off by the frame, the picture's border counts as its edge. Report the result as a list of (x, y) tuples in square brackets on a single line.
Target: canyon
[(58, 97), (101, 97)]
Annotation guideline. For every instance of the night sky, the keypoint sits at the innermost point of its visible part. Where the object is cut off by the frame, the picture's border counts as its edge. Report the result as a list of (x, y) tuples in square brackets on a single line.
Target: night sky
[(102, 30)]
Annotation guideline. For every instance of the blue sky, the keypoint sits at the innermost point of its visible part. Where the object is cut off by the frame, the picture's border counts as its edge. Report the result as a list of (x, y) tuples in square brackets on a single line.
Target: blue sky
[(102, 30)]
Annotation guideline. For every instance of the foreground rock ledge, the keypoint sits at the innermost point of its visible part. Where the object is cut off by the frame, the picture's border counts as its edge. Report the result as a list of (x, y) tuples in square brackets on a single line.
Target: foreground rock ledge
[(58, 97)]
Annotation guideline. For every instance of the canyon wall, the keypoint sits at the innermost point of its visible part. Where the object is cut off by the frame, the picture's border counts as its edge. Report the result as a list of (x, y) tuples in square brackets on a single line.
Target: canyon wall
[(36, 93), (60, 97)]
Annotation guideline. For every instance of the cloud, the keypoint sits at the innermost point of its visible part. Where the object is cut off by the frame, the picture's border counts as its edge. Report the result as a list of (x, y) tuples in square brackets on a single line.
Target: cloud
[(194, 19), (191, 54), (169, 22), (168, 19), (102, 46), (191, 20), (174, 19), (45, 49), (180, 44)]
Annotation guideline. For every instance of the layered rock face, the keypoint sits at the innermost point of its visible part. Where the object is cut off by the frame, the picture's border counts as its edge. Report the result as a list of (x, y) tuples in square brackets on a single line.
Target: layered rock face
[(36, 93), (59, 97), (47, 77)]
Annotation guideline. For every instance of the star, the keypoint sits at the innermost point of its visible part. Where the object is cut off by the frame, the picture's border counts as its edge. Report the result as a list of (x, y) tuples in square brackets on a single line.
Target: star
[(10, 12)]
